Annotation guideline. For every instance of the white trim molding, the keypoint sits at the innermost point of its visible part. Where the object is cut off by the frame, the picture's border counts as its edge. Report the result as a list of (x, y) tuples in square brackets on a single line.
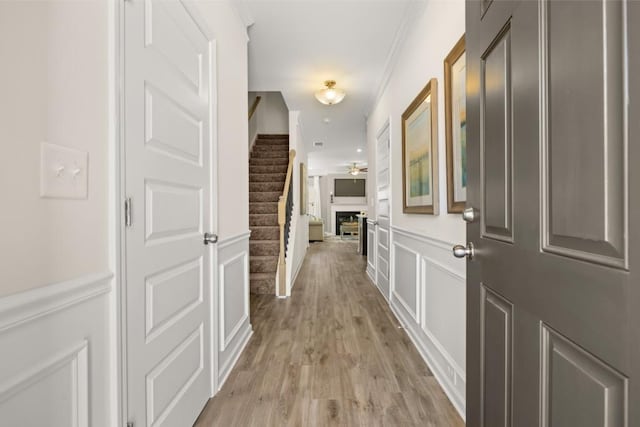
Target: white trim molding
[(423, 238), (231, 240), (61, 343), (30, 305)]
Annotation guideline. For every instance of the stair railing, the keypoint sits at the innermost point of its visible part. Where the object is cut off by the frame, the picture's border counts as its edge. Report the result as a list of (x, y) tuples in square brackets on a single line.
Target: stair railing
[(254, 106), (285, 211)]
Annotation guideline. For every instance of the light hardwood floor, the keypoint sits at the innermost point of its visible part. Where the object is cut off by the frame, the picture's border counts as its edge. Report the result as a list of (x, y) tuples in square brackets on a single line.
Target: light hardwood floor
[(332, 354)]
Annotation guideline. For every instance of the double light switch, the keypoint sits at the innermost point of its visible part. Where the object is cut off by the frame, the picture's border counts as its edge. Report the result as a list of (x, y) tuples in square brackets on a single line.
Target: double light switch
[(63, 172)]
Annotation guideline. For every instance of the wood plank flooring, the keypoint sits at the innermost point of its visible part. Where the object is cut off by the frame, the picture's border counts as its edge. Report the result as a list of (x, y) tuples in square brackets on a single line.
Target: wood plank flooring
[(331, 355)]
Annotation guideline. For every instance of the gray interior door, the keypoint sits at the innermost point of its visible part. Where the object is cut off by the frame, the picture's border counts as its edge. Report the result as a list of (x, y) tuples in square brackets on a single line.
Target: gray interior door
[(554, 146)]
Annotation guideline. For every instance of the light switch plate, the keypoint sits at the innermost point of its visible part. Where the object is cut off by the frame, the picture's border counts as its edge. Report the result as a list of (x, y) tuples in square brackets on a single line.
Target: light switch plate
[(63, 172)]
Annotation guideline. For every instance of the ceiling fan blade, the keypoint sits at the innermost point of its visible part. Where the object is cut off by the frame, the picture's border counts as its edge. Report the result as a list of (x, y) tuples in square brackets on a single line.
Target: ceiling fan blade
[(364, 169)]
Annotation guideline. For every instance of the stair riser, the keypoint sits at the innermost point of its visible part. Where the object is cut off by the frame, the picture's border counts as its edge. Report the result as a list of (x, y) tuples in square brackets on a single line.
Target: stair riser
[(270, 161), (263, 208), (262, 147), (269, 154), (264, 248), (267, 169), (266, 187), (276, 136), (263, 266), (265, 233), (265, 197), (268, 177)]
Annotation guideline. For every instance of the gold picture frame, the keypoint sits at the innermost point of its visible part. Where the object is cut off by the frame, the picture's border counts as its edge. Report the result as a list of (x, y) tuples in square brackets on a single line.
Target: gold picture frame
[(420, 153), (455, 114)]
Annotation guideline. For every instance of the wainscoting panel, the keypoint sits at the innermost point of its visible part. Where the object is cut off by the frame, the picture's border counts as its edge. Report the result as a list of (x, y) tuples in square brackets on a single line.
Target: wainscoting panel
[(56, 366), (371, 250), (406, 276), (234, 325), (429, 298)]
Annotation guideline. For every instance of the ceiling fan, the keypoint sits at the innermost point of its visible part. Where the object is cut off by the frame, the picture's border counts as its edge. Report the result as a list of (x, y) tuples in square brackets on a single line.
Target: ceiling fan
[(355, 170)]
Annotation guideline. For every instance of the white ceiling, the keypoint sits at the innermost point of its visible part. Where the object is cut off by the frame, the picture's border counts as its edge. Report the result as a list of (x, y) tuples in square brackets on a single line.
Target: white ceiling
[(296, 45)]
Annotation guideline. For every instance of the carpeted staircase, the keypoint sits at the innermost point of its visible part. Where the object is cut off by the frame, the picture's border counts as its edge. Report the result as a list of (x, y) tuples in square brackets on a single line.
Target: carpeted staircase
[(267, 174)]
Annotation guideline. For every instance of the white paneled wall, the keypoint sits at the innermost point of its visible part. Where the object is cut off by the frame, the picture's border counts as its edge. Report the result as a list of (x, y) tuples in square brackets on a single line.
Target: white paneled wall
[(427, 284), (56, 355), (428, 297), (234, 324)]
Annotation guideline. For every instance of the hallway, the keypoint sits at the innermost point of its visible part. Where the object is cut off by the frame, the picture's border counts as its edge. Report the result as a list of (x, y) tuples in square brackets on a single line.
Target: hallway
[(332, 354)]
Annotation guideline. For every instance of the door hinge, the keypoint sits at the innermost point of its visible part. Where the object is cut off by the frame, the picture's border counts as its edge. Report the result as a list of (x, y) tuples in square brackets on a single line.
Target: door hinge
[(127, 214), (129, 424)]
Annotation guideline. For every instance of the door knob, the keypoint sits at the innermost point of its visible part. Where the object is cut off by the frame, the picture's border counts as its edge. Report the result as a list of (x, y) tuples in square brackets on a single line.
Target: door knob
[(210, 238), (470, 214), (460, 251)]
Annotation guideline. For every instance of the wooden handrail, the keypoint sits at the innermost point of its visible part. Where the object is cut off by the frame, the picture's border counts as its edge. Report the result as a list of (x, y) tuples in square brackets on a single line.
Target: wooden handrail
[(282, 220), (254, 106)]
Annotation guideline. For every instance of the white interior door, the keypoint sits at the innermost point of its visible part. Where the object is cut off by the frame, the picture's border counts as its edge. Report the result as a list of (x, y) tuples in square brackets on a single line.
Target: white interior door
[(383, 209), (168, 149)]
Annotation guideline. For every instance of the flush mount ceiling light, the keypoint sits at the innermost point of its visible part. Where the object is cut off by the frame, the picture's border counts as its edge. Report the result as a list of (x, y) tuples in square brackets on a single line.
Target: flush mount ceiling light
[(330, 94)]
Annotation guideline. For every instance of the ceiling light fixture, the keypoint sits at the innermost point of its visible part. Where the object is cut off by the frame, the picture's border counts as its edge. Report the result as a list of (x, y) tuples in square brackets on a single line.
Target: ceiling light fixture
[(355, 170), (359, 150), (330, 94)]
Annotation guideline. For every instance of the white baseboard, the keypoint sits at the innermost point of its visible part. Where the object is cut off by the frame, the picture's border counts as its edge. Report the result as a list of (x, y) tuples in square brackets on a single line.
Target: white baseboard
[(237, 351), (371, 276), (298, 269), (426, 350)]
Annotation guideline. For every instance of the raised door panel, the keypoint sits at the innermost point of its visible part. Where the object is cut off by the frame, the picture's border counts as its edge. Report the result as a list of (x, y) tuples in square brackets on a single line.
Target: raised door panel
[(180, 46), (577, 388), (173, 211), (170, 380), (584, 136), (496, 342), (171, 294), (171, 129), (496, 139)]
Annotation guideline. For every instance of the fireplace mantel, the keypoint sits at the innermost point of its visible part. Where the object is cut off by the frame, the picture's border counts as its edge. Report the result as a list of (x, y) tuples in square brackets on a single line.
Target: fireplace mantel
[(343, 208)]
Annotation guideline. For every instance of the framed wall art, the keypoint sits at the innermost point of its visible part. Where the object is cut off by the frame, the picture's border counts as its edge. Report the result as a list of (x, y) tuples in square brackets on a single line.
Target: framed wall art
[(455, 111), (420, 153)]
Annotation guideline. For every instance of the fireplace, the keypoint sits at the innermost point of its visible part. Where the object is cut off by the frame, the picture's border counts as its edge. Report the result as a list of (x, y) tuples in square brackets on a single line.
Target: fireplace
[(345, 216)]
